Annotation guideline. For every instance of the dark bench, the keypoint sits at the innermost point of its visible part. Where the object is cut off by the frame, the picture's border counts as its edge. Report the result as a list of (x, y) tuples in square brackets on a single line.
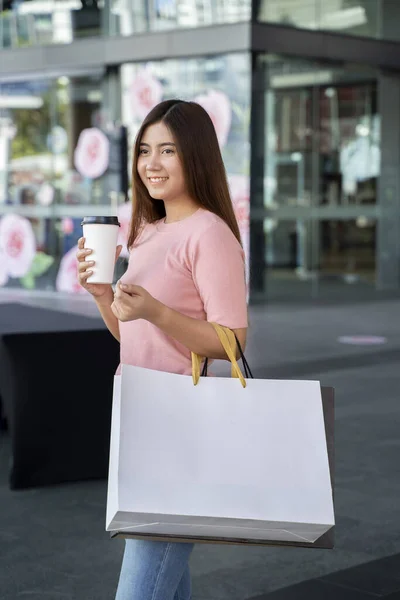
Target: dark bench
[(56, 377)]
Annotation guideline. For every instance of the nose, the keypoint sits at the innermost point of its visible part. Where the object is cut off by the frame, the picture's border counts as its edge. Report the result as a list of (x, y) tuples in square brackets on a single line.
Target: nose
[(153, 163)]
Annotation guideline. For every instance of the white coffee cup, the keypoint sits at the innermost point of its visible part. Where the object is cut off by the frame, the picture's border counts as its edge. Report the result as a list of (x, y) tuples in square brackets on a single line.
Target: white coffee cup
[(101, 236)]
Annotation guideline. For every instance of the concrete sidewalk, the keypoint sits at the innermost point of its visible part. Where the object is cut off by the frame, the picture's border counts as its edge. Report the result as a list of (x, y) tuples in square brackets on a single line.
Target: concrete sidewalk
[(53, 539)]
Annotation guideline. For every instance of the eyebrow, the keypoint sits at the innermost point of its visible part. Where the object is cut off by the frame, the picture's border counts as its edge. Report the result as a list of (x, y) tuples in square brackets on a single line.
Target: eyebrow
[(158, 145)]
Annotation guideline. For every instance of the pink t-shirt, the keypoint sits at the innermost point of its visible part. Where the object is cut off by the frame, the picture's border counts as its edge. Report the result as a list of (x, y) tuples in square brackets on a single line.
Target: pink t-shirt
[(196, 267)]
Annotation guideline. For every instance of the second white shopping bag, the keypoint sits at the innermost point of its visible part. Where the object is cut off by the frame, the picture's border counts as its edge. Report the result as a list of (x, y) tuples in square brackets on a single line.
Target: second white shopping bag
[(218, 461)]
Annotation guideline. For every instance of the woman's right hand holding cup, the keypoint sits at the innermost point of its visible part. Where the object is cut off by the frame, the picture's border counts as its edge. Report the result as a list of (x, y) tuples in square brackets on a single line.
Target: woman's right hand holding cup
[(85, 266)]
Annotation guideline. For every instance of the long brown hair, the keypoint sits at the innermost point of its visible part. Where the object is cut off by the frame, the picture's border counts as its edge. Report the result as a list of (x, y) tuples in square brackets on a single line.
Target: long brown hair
[(202, 163)]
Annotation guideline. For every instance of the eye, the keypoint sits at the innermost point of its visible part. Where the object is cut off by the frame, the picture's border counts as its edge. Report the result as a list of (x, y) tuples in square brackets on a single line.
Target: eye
[(168, 151), (143, 151)]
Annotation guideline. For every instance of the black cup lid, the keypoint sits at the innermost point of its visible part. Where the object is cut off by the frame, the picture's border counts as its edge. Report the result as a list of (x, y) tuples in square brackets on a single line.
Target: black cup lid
[(100, 221)]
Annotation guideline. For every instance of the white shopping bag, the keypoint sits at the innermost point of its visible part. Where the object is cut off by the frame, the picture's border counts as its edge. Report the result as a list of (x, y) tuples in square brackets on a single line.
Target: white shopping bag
[(216, 461)]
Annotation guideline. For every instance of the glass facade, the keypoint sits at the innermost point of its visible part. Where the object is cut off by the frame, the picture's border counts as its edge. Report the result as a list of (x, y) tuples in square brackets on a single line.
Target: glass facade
[(367, 18), (43, 22), (316, 141), (126, 17)]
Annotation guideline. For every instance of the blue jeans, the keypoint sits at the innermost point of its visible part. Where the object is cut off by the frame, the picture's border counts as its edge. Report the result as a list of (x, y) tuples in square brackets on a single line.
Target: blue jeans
[(155, 571)]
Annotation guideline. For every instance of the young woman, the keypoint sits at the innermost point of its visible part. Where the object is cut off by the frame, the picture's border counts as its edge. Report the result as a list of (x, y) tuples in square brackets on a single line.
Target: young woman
[(186, 269)]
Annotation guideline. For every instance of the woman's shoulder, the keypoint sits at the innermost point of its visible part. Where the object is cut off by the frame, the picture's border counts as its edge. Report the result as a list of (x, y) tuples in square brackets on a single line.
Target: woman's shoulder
[(211, 224), (212, 236)]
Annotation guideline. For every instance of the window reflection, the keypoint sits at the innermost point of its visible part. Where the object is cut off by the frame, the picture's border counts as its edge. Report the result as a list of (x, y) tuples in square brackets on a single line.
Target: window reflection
[(314, 128), (43, 22), (63, 157), (353, 17), (128, 17), (322, 168), (349, 144), (43, 193)]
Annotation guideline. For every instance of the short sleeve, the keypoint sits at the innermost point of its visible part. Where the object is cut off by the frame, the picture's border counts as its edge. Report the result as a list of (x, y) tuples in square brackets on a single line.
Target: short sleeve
[(218, 270)]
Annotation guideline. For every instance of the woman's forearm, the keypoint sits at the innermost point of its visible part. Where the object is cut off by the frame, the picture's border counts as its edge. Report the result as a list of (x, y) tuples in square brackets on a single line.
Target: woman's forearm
[(199, 336), (104, 306)]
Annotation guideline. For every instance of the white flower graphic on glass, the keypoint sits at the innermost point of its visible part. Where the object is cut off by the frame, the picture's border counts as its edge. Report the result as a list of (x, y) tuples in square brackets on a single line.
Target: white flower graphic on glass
[(17, 244), (91, 157), (3, 269), (67, 276), (45, 195), (218, 106), (124, 217), (146, 92)]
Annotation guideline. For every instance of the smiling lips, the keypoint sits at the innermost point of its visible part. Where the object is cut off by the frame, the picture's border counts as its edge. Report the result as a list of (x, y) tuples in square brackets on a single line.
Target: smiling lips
[(157, 179)]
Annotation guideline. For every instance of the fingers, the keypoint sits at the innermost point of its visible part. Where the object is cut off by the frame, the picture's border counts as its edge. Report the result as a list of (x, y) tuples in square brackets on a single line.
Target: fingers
[(84, 265), (81, 243), (130, 289), (83, 277), (118, 291), (82, 254)]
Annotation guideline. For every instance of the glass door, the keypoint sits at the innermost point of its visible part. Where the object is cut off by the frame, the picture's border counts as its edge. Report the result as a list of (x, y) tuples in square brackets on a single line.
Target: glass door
[(322, 163)]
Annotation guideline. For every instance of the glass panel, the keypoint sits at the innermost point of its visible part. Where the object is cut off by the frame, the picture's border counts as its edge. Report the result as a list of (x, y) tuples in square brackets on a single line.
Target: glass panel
[(322, 164), (60, 158), (128, 17), (287, 258), (349, 128), (298, 13), (353, 17), (347, 249), (304, 258), (289, 163), (33, 22), (26, 107)]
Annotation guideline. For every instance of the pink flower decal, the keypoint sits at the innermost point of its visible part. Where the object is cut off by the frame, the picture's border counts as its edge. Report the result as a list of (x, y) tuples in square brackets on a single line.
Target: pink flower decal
[(124, 217), (67, 226), (67, 276), (146, 92), (239, 186), (17, 244), (91, 157), (3, 270), (218, 106)]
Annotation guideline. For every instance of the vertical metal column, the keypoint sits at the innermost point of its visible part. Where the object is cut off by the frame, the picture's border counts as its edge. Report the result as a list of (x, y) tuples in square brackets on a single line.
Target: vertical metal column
[(388, 226), (257, 166)]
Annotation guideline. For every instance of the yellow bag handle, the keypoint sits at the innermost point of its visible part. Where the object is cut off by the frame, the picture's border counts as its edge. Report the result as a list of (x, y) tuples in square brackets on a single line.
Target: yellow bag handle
[(228, 341)]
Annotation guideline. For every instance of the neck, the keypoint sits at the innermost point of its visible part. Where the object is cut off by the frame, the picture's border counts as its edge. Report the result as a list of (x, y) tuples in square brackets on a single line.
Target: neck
[(177, 211)]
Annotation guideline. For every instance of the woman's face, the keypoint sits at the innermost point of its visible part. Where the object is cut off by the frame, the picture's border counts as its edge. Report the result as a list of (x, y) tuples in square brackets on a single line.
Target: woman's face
[(159, 166)]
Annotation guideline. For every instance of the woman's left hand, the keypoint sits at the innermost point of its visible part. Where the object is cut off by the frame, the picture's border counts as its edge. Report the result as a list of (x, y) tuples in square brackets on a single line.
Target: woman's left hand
[(133, 302)]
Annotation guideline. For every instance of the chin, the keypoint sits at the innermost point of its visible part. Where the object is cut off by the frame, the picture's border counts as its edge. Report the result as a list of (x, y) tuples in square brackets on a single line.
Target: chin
[(156, 196)]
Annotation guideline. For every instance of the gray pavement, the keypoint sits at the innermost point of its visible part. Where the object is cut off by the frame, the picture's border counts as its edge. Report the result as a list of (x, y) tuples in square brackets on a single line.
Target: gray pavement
[(53, 543)]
